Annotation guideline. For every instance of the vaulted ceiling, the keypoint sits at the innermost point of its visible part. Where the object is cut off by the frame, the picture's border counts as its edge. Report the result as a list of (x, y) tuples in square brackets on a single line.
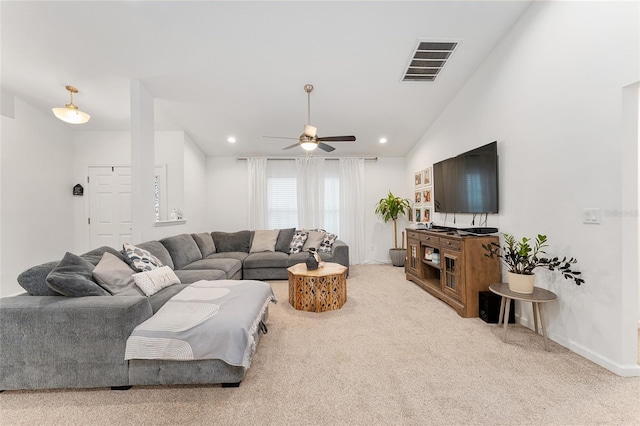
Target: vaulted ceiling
[(220, 69)]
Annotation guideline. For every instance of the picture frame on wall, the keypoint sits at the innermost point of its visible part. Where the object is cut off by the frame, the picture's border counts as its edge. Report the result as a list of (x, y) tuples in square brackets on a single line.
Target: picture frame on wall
[(418, 197), (427, 195), (426, 176), (418, 178), (426, 215), (418, 215)]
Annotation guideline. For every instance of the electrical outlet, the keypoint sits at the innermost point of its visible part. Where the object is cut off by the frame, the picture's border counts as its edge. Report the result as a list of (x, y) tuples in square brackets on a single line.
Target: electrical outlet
[(591, 216)]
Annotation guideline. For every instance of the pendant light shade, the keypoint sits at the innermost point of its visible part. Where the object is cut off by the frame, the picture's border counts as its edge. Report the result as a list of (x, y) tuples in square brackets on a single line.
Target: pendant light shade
[(70, 113)]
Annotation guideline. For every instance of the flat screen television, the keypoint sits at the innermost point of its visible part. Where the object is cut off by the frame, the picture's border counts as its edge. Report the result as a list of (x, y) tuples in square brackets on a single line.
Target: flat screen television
[(467, 183)]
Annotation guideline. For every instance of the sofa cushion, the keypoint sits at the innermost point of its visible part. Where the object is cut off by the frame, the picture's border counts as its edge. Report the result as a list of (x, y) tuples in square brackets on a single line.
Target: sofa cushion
[(230, 266), (183, 250), (298, 241), (266, 260), (205, 243), (157, 249), (284, 239), (34, 279), (232, 241), (73, 277), (141, 259), (314, 239), (238, 255), (116, 276), (264, 240), (297, 258), (189, 276), (151, 282)]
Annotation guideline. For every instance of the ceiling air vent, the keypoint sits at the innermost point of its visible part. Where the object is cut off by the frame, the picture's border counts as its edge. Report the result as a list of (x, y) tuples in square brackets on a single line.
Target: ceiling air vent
[(428, 60)]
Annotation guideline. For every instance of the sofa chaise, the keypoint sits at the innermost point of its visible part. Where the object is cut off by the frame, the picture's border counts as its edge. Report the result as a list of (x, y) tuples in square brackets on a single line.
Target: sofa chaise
[(51, 340)]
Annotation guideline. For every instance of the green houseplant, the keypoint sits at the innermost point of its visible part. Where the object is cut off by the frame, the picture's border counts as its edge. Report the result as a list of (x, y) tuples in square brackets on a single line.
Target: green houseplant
[(522, 257), (390, 208)]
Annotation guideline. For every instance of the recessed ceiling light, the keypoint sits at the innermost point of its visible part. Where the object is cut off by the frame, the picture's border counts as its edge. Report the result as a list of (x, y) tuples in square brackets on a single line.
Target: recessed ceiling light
[(383, 140), (231, 139)]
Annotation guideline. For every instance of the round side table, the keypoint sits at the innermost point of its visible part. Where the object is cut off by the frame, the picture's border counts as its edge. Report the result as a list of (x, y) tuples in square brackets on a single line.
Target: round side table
[(539, 295)]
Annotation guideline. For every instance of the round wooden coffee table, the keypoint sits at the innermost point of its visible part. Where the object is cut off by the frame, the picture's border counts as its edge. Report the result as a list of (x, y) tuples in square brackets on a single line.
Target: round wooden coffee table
[(321, 290)]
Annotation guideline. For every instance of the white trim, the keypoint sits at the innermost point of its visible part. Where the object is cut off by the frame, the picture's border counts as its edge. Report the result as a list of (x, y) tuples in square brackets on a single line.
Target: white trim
[(169, 222)]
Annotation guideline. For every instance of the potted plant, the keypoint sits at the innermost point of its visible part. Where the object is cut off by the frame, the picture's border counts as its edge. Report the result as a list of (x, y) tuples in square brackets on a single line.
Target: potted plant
[(390, 208), (521, 259)]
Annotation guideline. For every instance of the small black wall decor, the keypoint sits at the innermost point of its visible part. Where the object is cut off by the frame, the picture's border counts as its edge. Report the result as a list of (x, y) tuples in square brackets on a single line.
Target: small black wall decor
[(78, 190)]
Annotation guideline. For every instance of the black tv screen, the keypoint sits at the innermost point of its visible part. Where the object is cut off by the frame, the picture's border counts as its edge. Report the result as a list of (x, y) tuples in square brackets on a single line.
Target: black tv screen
[(467, 183)]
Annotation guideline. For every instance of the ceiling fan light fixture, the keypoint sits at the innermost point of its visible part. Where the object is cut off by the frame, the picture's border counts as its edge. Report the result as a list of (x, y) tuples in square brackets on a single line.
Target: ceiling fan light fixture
[(70, 112), (309, 145)]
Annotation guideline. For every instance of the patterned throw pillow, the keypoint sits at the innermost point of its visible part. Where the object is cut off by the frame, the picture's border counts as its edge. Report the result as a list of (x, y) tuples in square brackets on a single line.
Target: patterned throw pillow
[(151, 282), (140, 259), (327, 243), (297, 242)]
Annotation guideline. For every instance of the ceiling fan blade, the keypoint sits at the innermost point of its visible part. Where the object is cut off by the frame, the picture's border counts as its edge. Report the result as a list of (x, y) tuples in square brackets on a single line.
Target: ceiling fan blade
[(310, 131), (291, 146), (279, 137), (338, 139), (325, 147)]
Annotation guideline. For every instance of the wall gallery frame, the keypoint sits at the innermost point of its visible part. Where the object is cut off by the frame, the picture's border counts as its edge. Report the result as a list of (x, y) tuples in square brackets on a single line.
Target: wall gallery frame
[(426, 176), (423, 195)]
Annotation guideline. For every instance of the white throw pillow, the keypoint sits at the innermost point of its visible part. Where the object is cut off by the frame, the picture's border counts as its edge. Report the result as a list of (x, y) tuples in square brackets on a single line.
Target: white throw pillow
[(298, 241), (115, 276), (151, 282), (264, 240), (313, 240)]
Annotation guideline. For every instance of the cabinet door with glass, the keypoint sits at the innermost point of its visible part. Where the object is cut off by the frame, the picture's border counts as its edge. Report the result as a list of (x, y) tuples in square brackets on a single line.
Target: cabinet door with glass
[(413, 257), (452, 277)]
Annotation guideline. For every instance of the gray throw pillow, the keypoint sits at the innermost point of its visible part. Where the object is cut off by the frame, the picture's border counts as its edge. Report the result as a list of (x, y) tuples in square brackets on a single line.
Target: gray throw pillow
[(73, 277), (116, 276), (284, 239), (232, 241), (34, 280), (205, 243)]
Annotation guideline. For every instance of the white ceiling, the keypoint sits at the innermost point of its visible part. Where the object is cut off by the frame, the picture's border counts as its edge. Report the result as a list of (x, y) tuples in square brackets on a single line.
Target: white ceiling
[(238, 68)]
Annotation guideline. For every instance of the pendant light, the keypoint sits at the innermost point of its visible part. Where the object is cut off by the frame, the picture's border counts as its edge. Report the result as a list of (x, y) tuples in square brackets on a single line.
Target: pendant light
[(70, 113)]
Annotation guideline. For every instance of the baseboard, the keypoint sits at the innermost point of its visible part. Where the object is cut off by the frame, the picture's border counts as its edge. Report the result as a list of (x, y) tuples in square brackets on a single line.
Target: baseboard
[(630, 370)]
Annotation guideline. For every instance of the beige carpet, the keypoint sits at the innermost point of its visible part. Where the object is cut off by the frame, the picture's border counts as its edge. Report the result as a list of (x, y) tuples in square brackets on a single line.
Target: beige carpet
[(392, 355)]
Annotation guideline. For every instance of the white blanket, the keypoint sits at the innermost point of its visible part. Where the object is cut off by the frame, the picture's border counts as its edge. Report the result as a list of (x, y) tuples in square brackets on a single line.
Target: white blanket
[(206, 320)]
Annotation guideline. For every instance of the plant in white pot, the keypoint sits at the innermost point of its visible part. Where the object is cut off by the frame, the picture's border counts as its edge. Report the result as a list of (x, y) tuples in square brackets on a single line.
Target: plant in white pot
[(390, 208), (521, 259)]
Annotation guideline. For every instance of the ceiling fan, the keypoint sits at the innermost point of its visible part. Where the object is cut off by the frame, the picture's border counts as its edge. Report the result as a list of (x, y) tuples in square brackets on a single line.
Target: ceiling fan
[(309, 140)]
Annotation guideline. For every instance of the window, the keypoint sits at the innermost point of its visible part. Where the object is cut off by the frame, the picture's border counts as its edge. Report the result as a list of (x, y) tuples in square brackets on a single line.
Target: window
[(282, 210)]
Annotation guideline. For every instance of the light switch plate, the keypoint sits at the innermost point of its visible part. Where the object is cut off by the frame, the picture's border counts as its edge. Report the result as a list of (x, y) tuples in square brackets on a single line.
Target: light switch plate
[(591, 216)]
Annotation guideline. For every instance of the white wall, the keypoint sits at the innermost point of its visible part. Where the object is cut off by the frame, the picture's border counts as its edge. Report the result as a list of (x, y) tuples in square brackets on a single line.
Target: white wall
[(195, 187), (37, 182), (185, 177), (550, 93), (228, 203)]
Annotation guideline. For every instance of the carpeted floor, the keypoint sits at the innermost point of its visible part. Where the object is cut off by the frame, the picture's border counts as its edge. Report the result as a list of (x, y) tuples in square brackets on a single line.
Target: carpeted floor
[(392, 355)]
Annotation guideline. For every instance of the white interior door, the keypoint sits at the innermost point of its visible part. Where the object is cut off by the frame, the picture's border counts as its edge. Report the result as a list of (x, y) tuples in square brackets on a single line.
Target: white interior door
[(110, 206)]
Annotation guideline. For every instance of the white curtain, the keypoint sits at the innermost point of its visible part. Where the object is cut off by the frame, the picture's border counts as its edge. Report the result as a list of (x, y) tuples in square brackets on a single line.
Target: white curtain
[(257, 192), (352, 208), (310, 179)]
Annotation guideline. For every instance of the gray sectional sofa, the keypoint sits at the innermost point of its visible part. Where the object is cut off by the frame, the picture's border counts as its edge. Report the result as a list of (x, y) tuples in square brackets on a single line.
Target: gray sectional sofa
[(48, 340)]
